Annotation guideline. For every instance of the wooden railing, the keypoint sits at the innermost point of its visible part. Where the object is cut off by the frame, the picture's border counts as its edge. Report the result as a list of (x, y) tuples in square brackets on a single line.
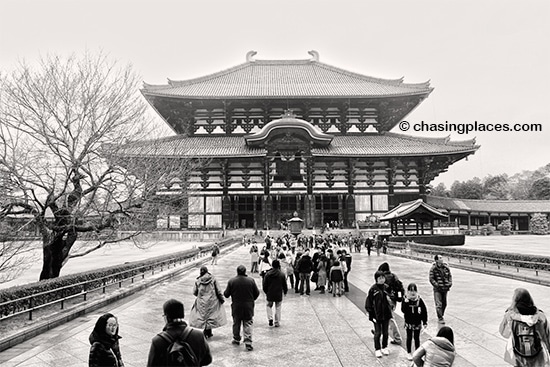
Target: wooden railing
[(27, 304)]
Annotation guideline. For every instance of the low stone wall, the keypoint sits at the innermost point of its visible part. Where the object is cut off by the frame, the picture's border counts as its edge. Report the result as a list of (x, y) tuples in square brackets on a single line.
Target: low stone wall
[(436, 239), (177, 235)]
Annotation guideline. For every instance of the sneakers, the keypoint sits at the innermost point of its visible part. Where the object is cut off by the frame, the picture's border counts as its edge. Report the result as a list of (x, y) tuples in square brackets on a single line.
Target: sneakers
[(249, 347), (441, 320), (276, 324), (409, 357), (385, 352), (378, 353), (235, 342), (270, 322), (393, 341)]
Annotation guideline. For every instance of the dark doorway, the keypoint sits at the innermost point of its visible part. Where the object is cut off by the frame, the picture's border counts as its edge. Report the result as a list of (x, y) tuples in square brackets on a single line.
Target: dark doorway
[(330, 217), (246, 220)]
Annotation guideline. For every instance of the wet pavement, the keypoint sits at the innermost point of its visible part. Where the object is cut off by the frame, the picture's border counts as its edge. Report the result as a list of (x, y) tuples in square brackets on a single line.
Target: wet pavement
[(315, 330)]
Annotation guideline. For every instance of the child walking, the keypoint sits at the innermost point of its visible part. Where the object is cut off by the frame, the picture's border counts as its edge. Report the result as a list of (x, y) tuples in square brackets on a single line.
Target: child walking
[(415, 315)]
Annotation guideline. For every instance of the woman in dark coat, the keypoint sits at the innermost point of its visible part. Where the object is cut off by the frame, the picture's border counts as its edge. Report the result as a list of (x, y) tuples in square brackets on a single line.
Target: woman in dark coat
[(104, 350)]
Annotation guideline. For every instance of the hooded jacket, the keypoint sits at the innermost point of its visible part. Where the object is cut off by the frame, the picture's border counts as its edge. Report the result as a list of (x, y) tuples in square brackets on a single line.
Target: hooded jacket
[(541, 328), (207, 311), (437, 352), (104, 350)]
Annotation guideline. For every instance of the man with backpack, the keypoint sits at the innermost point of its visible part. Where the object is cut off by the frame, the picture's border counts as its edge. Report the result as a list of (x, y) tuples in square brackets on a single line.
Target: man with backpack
[(178, 344)]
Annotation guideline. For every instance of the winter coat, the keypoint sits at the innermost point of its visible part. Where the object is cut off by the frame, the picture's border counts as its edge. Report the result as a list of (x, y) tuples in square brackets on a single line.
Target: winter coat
[(441, 277), (541, 328), (377, 303), (415, 312), (243, 292), (437, 352), (305, 264), (207, 312), (104, 351), (274, 285), (196, 340)]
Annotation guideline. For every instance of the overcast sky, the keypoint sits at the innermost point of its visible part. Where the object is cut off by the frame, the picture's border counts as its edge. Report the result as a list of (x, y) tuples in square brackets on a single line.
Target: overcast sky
[(489, 61)]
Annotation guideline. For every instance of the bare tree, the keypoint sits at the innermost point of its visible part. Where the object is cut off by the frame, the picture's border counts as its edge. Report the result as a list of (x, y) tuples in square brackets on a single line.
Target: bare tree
[(62, 125)]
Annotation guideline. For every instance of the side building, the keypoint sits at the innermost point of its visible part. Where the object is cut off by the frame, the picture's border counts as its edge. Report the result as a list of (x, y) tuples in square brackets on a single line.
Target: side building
[(278, 137)]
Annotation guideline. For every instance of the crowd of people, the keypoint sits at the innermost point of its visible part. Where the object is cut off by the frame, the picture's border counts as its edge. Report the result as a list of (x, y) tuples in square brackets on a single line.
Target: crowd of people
[(294, 263)]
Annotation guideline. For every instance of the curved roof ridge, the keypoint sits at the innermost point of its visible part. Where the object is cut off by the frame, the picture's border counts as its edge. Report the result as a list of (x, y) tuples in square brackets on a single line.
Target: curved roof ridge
[(435, 140), (251, 63), (181, 83)]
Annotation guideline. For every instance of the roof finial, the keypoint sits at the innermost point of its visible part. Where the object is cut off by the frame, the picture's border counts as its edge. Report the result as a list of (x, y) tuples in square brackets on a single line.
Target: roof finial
[(315, 55), (289, 113), (250, 56)]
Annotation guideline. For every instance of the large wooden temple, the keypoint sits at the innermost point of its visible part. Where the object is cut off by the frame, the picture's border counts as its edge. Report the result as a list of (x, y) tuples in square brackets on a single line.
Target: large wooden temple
[(285, 136)]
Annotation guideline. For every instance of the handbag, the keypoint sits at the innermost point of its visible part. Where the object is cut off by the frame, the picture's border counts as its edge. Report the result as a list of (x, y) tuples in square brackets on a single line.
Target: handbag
[(315, 277)]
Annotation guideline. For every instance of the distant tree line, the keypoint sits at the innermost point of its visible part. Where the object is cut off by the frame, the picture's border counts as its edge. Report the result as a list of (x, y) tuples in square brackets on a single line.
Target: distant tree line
[(527, 185)]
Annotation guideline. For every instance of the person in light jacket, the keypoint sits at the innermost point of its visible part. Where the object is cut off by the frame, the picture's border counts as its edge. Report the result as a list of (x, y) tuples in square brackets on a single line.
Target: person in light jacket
[(207, 312), (438, 351)]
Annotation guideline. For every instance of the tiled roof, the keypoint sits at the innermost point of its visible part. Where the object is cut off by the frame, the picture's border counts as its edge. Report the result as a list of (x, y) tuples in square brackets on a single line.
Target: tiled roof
[(404, 210), (491, 206), (285, 78), (389, 144)]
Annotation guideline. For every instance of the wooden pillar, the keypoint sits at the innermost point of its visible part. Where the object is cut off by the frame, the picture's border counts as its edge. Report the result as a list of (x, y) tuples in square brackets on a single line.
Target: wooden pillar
[(254, 216), (340, 209), (469, 220)]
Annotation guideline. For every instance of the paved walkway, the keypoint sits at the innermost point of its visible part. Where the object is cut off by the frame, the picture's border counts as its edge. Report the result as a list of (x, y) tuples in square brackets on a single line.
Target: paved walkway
[(315, 330)]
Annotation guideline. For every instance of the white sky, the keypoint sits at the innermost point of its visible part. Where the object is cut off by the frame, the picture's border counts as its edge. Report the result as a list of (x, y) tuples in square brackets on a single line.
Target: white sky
[(488, 60)]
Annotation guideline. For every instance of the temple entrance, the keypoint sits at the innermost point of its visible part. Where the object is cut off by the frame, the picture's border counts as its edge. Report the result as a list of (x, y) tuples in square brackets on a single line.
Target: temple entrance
[(246, 220), (330, 217)]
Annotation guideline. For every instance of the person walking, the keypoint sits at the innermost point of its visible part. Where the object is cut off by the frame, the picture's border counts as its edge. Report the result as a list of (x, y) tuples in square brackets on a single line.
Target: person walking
[(215, 254), (442, 281), (526, 328), (274, 286), (415, 314), (379, 311), (243, 292), (439, 351), (207, 312), (104, 349), (254, 259), (177, 329)]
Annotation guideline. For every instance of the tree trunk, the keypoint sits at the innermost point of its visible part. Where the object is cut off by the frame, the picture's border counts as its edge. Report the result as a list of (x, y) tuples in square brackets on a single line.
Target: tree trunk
[(54, 253)]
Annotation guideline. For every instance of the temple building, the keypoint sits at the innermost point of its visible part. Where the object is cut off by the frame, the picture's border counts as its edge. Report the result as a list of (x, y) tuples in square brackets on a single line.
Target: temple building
[(283, 136)]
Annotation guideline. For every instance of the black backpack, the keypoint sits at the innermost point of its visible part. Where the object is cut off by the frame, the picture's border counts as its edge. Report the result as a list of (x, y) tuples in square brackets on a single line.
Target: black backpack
[(525, 340), (179, 352)]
